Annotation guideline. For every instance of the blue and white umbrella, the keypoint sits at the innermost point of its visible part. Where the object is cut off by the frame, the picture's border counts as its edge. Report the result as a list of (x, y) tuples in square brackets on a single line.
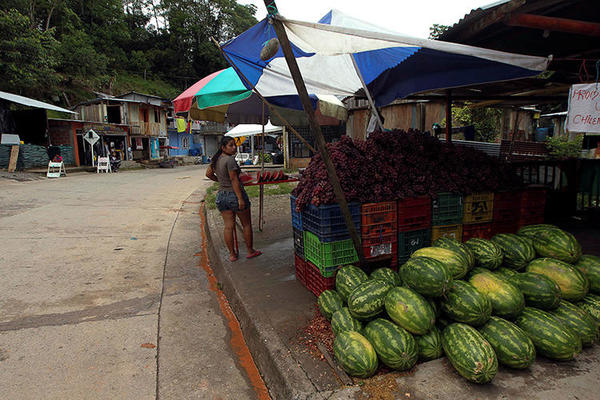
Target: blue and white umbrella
[(336, 53)]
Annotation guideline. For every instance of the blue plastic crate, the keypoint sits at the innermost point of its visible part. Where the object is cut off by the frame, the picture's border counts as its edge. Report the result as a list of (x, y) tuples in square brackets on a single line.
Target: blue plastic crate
[(327, 221), (299, 243), (296, 216)]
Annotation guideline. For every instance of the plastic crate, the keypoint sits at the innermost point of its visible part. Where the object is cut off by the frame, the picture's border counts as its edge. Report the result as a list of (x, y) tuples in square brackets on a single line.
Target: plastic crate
[(317, 283), (506, 205), (328, 256), (382, 247), (377, 219), (483, 231), (327, 222), (296, 216), (533, 198), (531, 216), (411, 241), (508, 226), (299, 243), (300, 265), (447, 209), (478, 208), (414, 214), (451, 231)]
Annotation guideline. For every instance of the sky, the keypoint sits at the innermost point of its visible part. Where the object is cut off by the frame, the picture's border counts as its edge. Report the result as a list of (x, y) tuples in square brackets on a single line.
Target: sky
[(410, 18)]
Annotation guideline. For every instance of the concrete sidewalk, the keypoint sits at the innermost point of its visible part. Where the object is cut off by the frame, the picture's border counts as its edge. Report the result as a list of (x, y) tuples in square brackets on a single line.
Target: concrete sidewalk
[(274, 309)]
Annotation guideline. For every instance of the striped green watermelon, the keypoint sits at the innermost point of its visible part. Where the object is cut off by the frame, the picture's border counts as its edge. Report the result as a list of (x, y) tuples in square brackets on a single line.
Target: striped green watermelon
[(453, 244), (517, 251), (507, 301), (464, 303), (512, 346), (590, 266), (355, 354), (410, 310), (455, 262), (591, 304), (531, 230), (539, 290), (487, 253), (554, 243), (388, 275), (329, 302), (426, 276), (475, 271), (573, 284), (342, 321), (442, 322), (505, 272), (367, 299), (470, 354), (579, 321), (434, 306), (430, 345), (347, 278), (549, 335), (395, 347)]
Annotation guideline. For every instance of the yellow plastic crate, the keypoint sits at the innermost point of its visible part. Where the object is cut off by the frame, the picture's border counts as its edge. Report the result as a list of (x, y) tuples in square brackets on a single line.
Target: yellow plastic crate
[(451, 231), (478, 208)]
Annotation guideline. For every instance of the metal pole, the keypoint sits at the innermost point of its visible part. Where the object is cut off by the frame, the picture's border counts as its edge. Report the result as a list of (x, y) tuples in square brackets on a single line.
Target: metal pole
[(448, 116), (369, 98), (315, 128), (261, 188)]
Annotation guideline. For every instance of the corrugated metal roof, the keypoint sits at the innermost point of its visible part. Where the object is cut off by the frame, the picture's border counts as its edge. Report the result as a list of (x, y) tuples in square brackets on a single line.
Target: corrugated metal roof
[(26, 101), (491, 149)]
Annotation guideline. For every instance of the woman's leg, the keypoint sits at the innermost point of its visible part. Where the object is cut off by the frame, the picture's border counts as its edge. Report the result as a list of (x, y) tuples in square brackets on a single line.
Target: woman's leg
[(246, 219), (229, 221)]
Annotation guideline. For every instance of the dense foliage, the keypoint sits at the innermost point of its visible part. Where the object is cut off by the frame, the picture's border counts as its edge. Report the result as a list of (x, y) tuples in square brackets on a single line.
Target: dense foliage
[(399, 165), (62, 50)]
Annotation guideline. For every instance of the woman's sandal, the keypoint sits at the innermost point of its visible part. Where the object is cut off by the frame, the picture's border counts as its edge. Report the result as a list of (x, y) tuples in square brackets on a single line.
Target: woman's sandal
[(255, 254), (233, 258)]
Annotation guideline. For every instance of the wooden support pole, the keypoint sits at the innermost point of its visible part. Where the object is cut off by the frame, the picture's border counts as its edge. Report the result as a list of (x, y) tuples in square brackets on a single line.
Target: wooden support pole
[(448, 116), (315, 129), (14, 156)]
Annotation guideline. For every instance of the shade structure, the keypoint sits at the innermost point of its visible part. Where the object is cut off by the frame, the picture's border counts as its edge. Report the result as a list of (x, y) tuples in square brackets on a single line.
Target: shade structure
[(26, 101), (252, 129), (334, 54), (222, 95)]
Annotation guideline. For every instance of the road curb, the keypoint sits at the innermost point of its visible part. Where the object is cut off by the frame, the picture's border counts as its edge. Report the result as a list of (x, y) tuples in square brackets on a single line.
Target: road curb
[(282, 374)]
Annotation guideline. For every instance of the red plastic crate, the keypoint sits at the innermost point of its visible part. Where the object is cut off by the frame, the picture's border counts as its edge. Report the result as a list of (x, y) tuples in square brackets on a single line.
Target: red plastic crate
[(300, 265), (386, 246), (315, 282), (533, 198), (378, 219), (483, 231), (414, 214), (506, 205), (511, 226), (531, 216)]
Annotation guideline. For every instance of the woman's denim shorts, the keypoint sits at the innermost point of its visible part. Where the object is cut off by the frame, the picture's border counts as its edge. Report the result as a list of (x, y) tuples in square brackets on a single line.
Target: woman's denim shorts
[(228, 201)]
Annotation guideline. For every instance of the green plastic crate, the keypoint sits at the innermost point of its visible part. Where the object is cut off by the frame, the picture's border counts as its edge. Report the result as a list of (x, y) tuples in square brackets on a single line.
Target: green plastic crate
[(328, 256), (447, 209), (411, 241)]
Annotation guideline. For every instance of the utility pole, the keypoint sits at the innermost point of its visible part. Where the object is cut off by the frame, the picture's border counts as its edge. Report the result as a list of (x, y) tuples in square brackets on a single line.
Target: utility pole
[(314, 126)]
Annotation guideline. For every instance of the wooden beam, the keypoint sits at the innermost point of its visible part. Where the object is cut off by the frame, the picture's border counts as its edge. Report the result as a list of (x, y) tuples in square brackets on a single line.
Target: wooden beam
[(315, 129), (555, 24), (14, 156)]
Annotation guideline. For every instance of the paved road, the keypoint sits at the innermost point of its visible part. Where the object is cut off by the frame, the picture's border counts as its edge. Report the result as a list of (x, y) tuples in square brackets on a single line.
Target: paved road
[(92, 268)]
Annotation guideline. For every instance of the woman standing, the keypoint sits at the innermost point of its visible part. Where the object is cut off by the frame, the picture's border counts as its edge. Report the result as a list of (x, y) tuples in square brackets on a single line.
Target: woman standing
[(232, 199)]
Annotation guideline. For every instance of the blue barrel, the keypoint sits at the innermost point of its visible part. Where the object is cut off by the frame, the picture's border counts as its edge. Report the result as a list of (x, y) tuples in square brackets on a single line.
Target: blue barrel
[(204, 159)]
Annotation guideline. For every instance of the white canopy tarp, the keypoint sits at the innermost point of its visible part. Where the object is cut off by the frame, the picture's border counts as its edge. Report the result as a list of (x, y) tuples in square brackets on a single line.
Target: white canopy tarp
[(252, 129), (26, 101)]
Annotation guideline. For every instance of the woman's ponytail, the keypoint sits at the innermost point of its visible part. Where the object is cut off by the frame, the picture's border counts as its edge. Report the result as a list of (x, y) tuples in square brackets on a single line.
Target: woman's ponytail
[(224, 141)]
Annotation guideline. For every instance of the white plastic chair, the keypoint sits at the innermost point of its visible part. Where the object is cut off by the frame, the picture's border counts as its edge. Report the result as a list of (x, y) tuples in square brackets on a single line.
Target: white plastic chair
[(103, 165), (56, 169)]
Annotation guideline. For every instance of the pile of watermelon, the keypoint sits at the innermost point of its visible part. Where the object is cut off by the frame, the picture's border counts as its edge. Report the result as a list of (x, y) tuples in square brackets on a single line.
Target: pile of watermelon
[(481, 303)]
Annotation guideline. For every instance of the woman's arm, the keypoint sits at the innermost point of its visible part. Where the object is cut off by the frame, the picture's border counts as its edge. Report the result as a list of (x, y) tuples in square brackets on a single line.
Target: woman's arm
[(210, 174), (237, 188)]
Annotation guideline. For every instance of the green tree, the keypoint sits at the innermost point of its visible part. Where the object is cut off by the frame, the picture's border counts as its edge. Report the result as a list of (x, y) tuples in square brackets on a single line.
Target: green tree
[(437, 30), (486, 121)]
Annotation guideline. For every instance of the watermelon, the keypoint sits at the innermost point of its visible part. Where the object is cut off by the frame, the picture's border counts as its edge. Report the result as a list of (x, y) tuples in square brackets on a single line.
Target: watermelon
[(464, 303), (342, 321), (453, 244), (470, 354), (505, 272), (539, 290), (589, 266), (512, 346), (507, 301), (517, 251), (573, 284), (455, 262), (395, 347), (434, 306), (549, 335), (553, 242), (487, 253), (347, 278), (410, 310), (531, 230), (329, 302), (591, 304), (475, 271), (367, 299), (388, 275), (355, 354), (430, 345), (426, 276), (442, 322), (579, 321)]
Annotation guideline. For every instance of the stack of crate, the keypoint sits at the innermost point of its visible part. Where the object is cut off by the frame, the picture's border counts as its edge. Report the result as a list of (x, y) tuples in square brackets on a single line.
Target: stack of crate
[(379, 231), (447, 216), (507, 207), (532, 206), (414, 226), (478, 213), (298, 234)]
